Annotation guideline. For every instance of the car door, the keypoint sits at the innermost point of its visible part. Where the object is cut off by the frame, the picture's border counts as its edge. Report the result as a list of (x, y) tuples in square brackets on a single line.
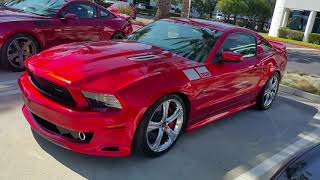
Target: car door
[(105, 24), (235, 83), (84, 26)]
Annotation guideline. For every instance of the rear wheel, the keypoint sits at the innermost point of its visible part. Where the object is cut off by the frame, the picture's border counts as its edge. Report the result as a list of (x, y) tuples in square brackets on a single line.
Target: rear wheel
[(16, 50), (161, 126), (269, 92), (118, 35)]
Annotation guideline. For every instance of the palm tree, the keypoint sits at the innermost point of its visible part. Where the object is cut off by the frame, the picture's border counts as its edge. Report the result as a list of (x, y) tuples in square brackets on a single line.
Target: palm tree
[(185, 8), (163, 9)]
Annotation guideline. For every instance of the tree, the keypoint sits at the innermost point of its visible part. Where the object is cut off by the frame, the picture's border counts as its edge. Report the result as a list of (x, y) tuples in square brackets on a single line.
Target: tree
[(203, 7), (209, 6), (233, 7), (185, 8), (163, 9)]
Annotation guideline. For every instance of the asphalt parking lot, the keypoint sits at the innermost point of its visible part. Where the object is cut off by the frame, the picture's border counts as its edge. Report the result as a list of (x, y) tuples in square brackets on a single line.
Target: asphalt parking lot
[(303, 59), (225, 149)]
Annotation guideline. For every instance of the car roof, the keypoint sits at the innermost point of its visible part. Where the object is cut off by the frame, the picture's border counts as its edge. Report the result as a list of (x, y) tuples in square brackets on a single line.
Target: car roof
[(209, 24)]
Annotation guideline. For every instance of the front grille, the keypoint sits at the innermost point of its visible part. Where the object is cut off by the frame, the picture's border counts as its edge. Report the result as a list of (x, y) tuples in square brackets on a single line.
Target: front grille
[(71, 135), (52, 90)]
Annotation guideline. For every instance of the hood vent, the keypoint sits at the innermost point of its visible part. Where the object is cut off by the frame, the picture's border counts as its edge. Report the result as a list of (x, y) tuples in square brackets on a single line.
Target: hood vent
[(144, 58)]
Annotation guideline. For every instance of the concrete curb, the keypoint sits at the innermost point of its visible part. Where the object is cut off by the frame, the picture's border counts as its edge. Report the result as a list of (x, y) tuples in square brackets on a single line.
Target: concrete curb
[(299, 93)]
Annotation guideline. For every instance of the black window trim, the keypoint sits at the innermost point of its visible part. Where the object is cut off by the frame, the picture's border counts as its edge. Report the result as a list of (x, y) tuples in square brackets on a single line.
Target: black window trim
[(86, 3), (105, 17), (247, 34)]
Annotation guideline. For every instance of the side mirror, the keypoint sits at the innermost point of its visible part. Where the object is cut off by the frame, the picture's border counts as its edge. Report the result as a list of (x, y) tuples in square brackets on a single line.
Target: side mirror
[(260, 49), (70, 16), (231, 56)]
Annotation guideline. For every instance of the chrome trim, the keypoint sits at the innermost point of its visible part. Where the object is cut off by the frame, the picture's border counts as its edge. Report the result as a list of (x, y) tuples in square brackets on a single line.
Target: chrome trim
[(143, 58)]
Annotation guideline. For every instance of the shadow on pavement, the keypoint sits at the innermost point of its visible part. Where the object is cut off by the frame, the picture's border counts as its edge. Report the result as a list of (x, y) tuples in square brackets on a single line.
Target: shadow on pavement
[(206, 153)]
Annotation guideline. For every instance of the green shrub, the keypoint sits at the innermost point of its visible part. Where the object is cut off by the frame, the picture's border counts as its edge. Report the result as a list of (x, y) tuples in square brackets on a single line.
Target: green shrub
[(283, 33), (295, 35), (314, 38), (151, 12), (126, 10), (291, 34)]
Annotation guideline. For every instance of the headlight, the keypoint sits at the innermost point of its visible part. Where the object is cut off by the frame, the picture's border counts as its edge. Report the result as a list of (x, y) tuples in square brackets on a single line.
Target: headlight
[(101, 102)]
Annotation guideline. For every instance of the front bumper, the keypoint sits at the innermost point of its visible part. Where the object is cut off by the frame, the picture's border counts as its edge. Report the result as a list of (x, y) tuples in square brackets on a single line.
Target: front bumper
[(112, 134)]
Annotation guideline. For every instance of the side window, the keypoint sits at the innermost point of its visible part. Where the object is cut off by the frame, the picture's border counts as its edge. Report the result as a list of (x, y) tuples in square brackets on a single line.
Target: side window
[(104, 13), (81, 10), (266, 46), (240, 43)]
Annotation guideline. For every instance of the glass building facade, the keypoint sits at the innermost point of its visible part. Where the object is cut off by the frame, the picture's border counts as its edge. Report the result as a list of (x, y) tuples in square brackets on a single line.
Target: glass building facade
[(298, 21)]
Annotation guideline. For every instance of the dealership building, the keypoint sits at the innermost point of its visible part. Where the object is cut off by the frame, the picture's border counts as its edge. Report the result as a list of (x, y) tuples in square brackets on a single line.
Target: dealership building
[(299, 15)]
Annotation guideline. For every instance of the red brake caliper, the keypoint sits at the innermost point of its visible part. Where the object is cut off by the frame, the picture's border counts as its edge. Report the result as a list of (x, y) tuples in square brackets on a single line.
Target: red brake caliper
[(172, 124)]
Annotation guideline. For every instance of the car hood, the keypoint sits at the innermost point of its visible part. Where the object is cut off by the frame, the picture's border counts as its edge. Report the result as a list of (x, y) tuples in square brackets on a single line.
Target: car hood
[(113, 63), (10, 15)]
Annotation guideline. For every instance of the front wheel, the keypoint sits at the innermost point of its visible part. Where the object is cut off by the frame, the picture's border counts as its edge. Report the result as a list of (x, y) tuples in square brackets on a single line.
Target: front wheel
[(16, 49), (161, 126), (269, 92)]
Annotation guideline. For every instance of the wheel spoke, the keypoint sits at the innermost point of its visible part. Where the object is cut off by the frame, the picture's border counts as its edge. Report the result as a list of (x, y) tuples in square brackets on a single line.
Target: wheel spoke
[(165, 107), (175, 115), (171, 134), (20, 61), (156, 145), (26, 44), (16, 44), (274, 85), (153, 126), (12, 56)]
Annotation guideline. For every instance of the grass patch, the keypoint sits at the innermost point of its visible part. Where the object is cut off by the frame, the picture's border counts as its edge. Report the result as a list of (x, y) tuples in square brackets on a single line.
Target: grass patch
[(302, 81), (142, 21), (299, 43)]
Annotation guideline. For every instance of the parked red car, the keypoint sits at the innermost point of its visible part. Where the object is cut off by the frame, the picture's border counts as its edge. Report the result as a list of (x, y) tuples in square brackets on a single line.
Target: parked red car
[(104, 98), (115, 8), (29, 26)]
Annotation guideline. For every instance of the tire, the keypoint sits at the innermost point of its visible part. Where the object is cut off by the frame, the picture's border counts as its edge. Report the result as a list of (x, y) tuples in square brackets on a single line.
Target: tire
[(152, 125), (118, 35), (19, 54), (267, 95)]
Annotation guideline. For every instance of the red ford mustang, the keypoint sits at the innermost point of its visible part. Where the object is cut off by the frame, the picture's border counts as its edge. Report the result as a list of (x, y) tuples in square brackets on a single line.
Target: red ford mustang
[(105, 98), (28, 26)]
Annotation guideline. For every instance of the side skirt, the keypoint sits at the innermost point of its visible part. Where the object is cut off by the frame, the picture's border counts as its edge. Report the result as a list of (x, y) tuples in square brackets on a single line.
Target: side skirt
[(218, 116)]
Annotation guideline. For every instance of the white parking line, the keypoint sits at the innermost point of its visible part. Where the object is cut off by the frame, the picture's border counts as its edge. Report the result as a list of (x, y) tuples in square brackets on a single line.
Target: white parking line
[(8, 82), (9, 93), (292, 149), (302, 49)]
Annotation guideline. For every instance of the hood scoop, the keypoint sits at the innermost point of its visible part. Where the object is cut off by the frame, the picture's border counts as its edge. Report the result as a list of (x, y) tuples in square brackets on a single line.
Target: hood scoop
[(144, 57)]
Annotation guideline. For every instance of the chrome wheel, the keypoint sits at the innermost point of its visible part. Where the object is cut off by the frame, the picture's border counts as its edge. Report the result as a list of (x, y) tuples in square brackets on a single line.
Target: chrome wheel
[(20, 49), (165, 125), (270, 91)]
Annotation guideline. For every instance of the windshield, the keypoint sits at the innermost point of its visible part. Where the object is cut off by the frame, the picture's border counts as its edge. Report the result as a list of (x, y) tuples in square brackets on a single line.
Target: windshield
[(38, 7), (191, 42)]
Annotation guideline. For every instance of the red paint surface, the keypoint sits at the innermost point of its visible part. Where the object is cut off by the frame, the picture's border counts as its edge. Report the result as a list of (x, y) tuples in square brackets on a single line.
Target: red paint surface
[(104, 67), (52, 31)]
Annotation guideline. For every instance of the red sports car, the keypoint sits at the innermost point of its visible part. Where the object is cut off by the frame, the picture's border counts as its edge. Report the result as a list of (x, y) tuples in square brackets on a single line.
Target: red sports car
[(29, 26), (105, 98)]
